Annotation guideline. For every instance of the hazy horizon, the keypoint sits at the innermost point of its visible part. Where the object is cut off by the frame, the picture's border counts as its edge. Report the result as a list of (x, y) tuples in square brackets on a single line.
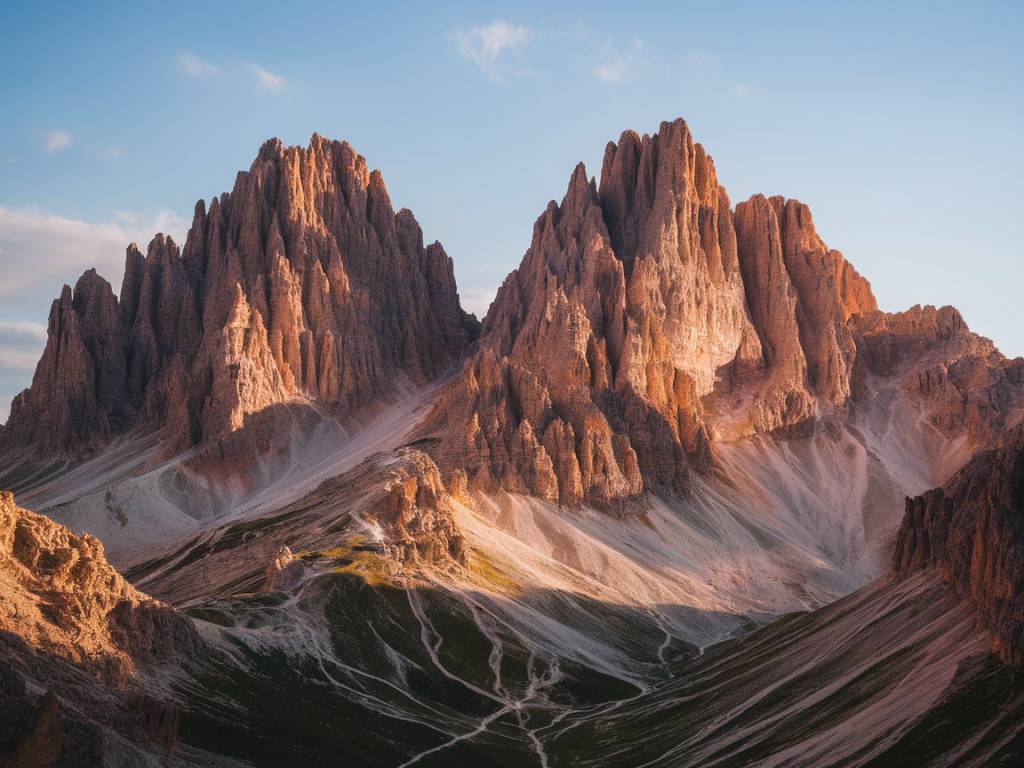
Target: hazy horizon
[(898, 126)]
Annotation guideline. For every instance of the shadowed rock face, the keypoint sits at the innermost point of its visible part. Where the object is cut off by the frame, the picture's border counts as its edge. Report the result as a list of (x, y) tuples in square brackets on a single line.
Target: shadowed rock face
[(302, 283), (648, 321), (972, 531)]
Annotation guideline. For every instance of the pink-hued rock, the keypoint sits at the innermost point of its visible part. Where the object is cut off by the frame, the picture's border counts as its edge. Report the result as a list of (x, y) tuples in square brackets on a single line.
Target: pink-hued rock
[(647, 321), (62, 598), (972, 531), (301, 284), (959, 380), (635, 303), (75, 629)]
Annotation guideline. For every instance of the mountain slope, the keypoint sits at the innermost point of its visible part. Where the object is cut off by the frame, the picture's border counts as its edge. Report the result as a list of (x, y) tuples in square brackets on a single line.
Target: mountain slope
[(552, 541), (648, 324), (972, 531), (81, 652)]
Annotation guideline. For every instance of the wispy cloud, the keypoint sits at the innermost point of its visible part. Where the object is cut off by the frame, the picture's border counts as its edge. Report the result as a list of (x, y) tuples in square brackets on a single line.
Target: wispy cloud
[(23, 329), (266, 79), (700, 62), (56, 141), (193, 65), (113, 152), (618, 65), (21, 342), (708, 70), (61, 248), (485, 45)]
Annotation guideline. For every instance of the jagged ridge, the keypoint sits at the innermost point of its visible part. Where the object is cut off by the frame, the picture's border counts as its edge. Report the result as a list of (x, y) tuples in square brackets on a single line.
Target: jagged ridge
[(972, 531), (648, 321), (301, 284)]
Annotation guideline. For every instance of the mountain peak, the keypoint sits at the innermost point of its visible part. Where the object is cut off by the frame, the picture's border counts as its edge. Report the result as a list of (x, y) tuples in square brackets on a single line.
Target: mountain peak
[(647, 321), (338, 287)]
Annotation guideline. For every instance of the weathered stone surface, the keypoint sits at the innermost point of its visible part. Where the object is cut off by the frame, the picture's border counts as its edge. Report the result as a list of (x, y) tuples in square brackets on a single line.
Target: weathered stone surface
[(645, 316), (75, 629), (301, 284), (62, 598), (647, 323), (972, 530), (415, 514), (962, 384)]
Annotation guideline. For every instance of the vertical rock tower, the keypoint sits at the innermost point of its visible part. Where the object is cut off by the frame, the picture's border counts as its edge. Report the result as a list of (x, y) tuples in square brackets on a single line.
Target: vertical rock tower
[(301, 285)]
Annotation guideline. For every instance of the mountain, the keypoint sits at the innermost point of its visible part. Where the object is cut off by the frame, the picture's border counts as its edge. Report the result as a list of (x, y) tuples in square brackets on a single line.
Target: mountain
[(687, 496), (648, 324), (900, 673), (301, 285)]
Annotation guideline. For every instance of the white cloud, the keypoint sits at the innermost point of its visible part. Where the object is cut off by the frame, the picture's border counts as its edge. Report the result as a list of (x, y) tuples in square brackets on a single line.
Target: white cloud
[(59, 249), (618, 66), (267, 80), (193, 65), (113, 152), (55, 141), (477, 301), (21, 345), (18, 359), (702, 61), (485, 45), (23, 329)]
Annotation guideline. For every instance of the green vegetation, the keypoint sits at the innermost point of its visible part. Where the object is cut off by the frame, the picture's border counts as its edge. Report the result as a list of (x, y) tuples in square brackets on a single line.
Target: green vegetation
[(488, 571)]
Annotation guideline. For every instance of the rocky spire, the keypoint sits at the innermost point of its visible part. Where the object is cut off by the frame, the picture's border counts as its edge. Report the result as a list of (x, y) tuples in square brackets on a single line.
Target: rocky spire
[(597, 350), (648, 321), (302, 283)]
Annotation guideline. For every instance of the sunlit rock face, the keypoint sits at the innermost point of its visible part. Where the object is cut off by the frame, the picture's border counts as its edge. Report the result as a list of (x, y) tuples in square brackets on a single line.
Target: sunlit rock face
[(302, 284), (432, 568), (649, 322), (80, 651), (70, 603)]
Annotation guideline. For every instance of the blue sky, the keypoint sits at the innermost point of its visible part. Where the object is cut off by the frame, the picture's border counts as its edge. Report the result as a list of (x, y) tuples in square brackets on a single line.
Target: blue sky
[(900, 124)]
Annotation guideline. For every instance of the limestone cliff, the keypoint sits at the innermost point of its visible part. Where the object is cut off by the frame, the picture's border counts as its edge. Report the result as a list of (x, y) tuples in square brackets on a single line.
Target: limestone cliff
[(71, 626), (648, 321), (302, 284), (972, 531)]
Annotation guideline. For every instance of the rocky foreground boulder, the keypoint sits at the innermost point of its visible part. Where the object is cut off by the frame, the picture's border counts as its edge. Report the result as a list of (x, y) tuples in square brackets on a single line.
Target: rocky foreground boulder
[(72, 627)]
